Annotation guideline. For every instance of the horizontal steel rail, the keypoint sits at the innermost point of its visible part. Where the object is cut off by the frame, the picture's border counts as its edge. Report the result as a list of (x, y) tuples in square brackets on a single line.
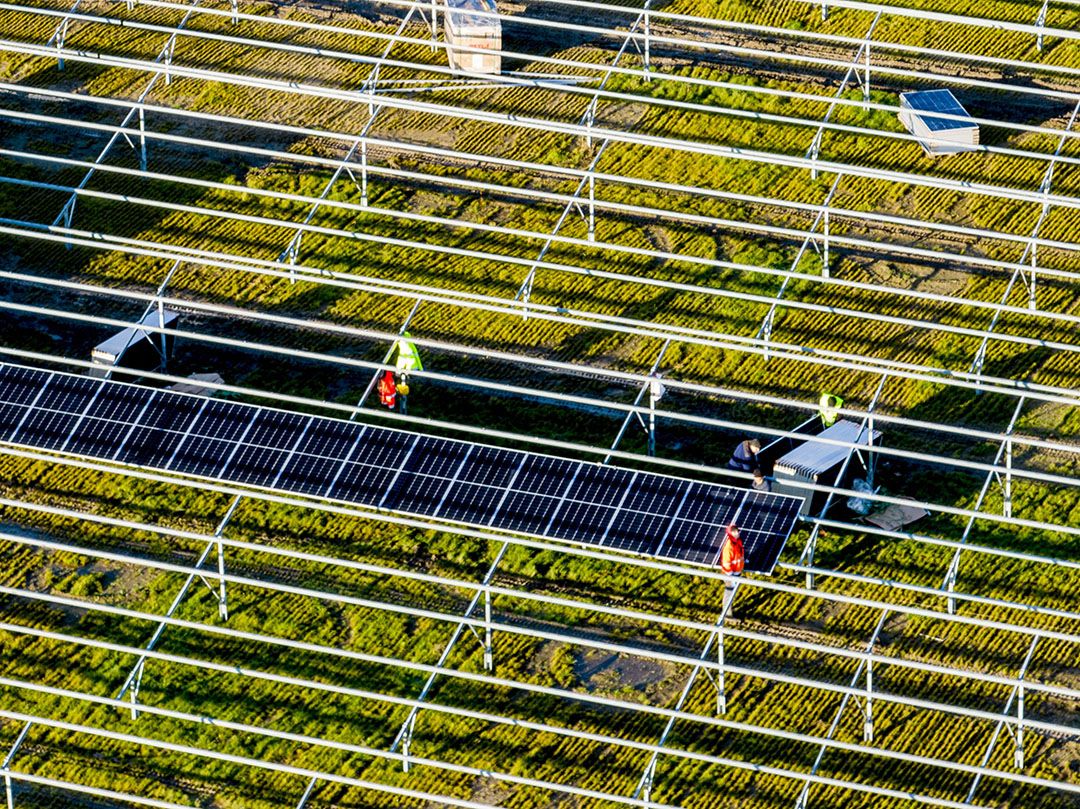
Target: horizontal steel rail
[(674, 19), (770, 231), (957, 463), (712, 722), (614, 324), (565, 634), (687, 569), (570, 89), (493, 160), (483, 255), (530, 124)]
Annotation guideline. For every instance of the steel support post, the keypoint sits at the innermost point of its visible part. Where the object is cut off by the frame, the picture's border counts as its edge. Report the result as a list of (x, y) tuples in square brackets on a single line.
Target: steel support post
[(406, 740), (592, 207), (223, 601), (1003, 724), (363, 173), (866, 85), (647, 782), (60, 35), (825, 246), (645, 389), (1006, 502), (68, 210), (489, 660), (949, 584), (804, 793), (765, 330), (852, 72), (134, 678), (409, 724), (1030, 252), (1018, 755), (1040, 22), (721, 680), (868, 723), (586, 120), (649, 774), (645, 55), (136, 684)]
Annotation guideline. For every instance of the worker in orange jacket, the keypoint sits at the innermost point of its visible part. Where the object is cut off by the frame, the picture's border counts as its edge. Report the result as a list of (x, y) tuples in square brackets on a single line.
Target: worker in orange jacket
[(388, 390), (732, 559)]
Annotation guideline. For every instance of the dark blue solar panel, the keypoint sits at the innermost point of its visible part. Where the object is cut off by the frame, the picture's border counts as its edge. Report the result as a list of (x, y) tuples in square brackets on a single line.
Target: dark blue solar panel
[(159, 430), (481, 485), (590, 503), (266, 447), (211, 438), (56, 411), (938, 101), (106, 421), (18, 388), (539, 489), (646, 514), (320, 456), (764, 525), (390, 469), (427, 475), (693, 536)]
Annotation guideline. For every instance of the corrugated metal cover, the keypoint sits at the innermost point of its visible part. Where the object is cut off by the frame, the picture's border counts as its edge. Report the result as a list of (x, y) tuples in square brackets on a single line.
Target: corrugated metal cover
[(123, 340), (813, 457)]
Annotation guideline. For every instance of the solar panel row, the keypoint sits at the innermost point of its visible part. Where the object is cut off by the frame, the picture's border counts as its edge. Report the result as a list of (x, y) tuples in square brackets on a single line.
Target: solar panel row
[(398, 471)]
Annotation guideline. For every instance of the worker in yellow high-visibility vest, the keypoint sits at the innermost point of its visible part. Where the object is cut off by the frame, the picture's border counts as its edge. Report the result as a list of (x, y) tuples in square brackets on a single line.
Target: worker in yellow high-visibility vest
[(829, 408), (408, 359)]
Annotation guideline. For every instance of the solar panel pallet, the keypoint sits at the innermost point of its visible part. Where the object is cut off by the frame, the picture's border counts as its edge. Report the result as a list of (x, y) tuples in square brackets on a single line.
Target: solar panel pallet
[(463, 29), (814, 462), (938, 135), (133, 348), (391, 471)]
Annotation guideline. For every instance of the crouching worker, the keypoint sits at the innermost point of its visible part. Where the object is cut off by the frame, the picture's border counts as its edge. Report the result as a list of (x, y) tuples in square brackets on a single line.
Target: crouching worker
[(732, 559), (744, 458)]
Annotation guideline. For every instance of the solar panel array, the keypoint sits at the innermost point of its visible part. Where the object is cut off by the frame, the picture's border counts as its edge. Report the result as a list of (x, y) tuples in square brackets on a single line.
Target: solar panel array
[(938, 101), (392, 470)]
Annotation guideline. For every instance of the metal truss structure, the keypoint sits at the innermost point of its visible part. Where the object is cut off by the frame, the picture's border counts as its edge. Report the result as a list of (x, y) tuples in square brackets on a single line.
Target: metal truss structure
[(587, 109)]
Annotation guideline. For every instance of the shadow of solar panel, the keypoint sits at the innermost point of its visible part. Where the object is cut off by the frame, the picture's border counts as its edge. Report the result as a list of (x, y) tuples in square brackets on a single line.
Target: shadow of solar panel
[(266, 447), (159, 430), (56, 411), (480, 486), (537, 490), (426, 476), (212, 438), (18, 388), (319, 456), (108, 419)]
